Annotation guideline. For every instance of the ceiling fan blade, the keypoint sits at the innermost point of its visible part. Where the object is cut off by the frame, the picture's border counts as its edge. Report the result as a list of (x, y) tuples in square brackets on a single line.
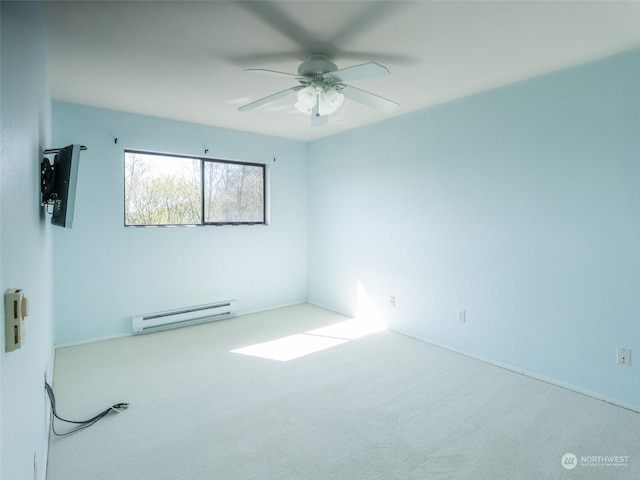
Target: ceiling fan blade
[(369, 16), (369, 99), (265, 58), (272, 72), (280, 20), (270, 98), (278, 16), (394, 59), (358, 72)]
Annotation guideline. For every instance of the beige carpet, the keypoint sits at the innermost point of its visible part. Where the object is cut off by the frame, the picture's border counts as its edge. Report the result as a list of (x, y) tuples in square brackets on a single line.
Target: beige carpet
[(377, 406)]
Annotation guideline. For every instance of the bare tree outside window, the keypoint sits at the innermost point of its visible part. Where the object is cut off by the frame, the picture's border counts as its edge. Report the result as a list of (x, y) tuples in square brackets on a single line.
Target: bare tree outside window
[(172, 190), (233, 193)]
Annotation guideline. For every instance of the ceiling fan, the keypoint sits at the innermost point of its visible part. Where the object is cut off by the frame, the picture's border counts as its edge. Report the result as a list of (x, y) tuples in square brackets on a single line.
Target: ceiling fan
[(322, 87)]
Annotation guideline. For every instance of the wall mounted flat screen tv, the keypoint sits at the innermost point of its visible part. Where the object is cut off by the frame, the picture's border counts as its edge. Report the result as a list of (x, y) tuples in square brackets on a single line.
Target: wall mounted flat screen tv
[(58, 183)]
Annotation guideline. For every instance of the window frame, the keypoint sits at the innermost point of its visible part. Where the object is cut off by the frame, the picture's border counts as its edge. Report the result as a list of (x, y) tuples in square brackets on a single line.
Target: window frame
[(203, 160)]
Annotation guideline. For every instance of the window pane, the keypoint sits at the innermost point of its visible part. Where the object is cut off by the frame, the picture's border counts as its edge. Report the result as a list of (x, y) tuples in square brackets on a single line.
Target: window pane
[(233, 193), (162, 190)]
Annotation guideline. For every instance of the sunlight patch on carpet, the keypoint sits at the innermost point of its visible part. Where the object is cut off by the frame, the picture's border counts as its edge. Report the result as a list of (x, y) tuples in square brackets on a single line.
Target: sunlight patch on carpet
[(293, 346), (301, 344), (367, 321)]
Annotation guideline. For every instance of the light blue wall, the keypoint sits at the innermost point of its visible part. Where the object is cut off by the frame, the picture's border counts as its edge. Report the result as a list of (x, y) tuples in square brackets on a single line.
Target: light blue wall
[(520, 205), (26, 243), (105, 273)]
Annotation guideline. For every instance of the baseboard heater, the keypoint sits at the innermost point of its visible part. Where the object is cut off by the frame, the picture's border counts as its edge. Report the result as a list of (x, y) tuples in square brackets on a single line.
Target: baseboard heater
[(152, 322)]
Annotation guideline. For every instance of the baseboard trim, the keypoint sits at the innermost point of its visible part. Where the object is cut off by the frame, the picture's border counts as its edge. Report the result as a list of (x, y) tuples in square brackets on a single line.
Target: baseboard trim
[(526, 373), (92, 340), (260, 310), (331, 309)]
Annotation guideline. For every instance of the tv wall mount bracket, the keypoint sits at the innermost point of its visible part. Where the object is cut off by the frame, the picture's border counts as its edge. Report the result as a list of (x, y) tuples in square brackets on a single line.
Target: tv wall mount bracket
[(47, 176)]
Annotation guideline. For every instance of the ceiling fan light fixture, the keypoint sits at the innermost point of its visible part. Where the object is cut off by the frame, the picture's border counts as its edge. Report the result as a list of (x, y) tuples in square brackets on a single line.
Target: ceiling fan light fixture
[(306, 99), (330, 101)]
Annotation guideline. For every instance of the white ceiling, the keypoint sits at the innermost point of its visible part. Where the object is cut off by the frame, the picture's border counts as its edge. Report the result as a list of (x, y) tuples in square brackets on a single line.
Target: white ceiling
[(185, 60)]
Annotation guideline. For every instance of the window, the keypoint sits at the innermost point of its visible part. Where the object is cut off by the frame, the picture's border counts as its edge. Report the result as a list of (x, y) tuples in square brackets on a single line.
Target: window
[(162, 190)]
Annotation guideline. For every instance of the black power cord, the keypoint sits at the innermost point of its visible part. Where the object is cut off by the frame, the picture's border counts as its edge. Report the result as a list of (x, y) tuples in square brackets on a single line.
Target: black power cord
[(118, 407)]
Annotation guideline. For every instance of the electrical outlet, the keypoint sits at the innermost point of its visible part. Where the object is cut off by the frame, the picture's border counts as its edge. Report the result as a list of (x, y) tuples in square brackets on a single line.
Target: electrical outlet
[(462, 316), (624, 356), (392, 301), (252, 286)]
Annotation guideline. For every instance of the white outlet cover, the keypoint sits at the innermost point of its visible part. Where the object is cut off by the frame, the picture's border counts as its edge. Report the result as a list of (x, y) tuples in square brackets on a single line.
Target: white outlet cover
[(624, 356)]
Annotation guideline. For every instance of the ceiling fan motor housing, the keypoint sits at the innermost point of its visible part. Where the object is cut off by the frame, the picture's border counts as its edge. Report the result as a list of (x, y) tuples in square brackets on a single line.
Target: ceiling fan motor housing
[(316, 65)]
